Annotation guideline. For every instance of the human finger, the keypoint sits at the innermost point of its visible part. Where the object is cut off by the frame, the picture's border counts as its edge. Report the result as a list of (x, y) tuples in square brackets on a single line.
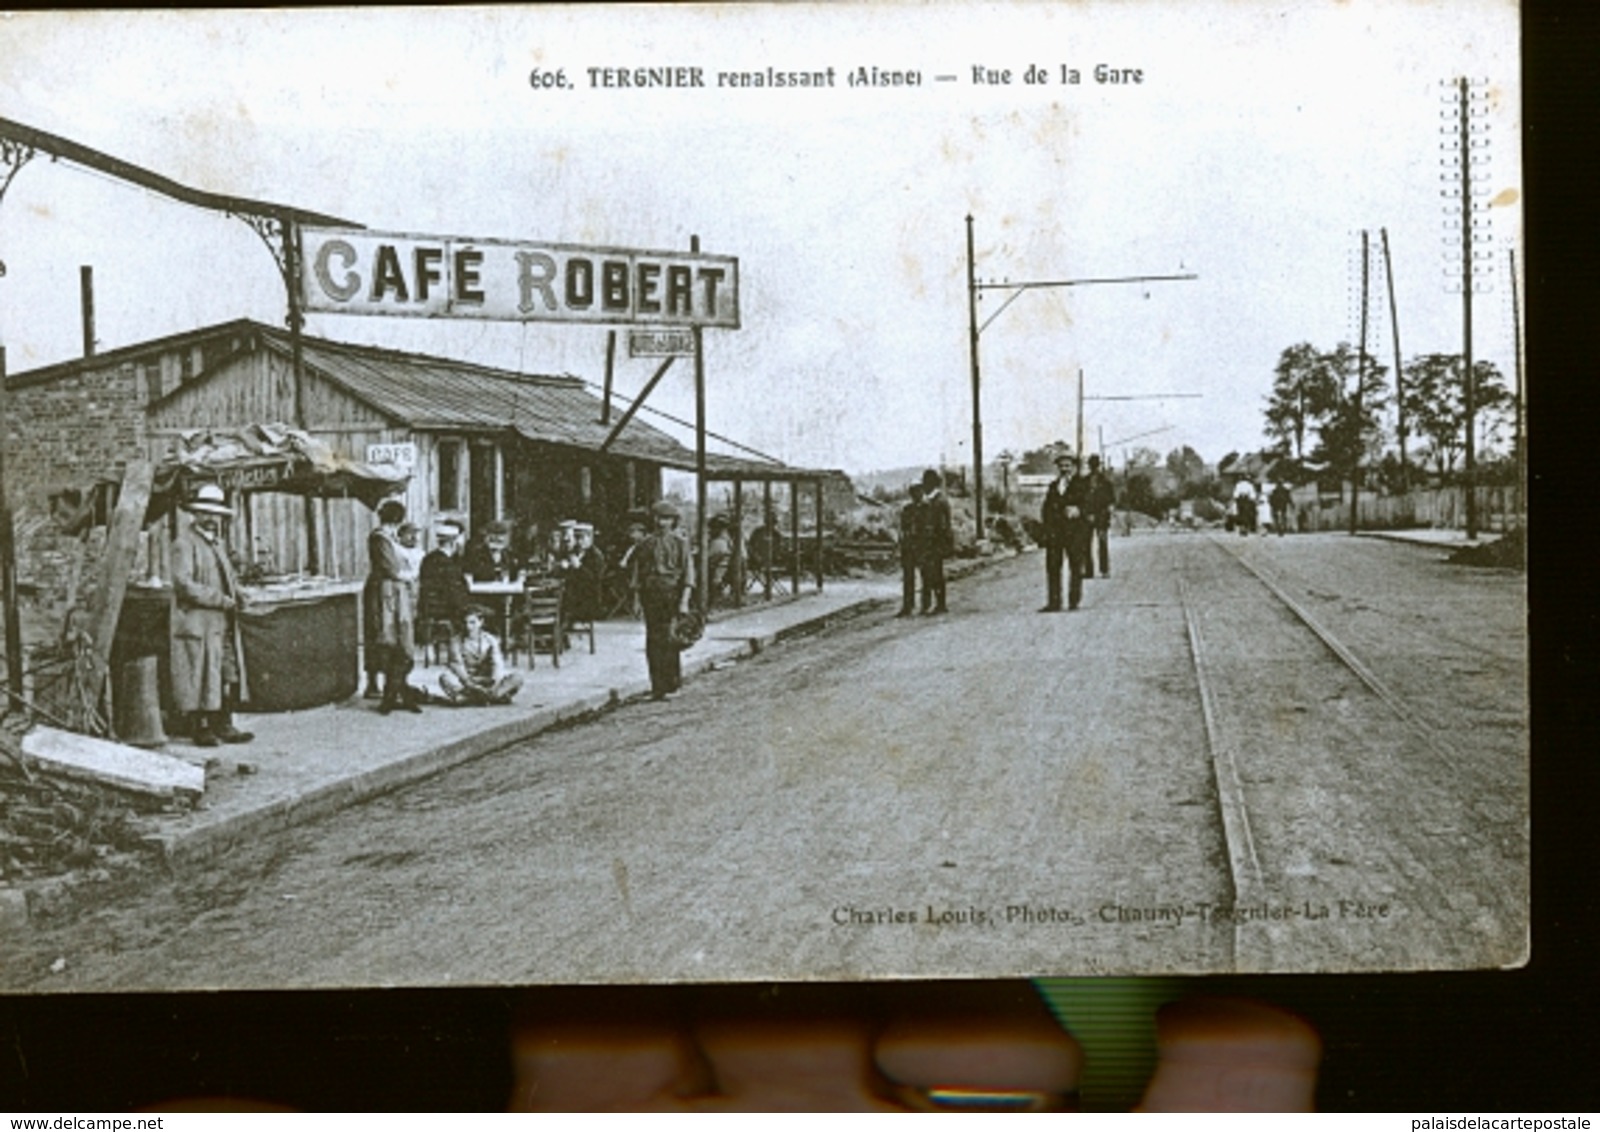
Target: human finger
[(790, 1049), (601, 1049), (1232, 1055), (978, 1046)]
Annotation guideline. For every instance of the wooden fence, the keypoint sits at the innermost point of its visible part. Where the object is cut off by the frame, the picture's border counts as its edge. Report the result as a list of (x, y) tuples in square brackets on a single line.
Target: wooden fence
[(1439, 508)]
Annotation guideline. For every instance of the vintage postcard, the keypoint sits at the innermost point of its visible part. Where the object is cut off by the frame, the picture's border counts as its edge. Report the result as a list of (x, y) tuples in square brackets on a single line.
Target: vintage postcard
[(575, 494)]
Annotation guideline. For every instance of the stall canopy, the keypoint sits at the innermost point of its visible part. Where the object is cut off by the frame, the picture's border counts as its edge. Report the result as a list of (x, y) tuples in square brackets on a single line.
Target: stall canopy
[(266, 457)]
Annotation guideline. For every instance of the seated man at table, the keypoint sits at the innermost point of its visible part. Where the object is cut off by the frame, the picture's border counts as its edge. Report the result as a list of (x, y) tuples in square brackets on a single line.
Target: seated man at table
[(489, 559), (442, 593), (476, 673), (583, 598)]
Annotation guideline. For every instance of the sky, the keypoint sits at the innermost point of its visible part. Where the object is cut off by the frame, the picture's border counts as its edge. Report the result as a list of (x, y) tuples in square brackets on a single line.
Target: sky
[(1260, 141)]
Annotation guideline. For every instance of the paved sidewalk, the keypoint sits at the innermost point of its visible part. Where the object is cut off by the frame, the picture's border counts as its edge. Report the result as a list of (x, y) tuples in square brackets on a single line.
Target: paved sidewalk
[(306, 764), (1430, 536)]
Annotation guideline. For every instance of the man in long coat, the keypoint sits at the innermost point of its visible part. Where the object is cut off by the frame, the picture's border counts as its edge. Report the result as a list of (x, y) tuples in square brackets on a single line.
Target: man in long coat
[(938, 541), (1065, 519), (390, 609), (912, 551), (1102, 498), (207, 657)]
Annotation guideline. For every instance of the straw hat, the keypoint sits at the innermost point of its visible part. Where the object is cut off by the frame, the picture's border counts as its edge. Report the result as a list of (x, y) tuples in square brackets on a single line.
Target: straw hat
[(208, 500)]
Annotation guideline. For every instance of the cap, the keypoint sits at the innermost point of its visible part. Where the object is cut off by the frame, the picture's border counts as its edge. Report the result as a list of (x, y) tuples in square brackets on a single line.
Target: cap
[(664, 510)]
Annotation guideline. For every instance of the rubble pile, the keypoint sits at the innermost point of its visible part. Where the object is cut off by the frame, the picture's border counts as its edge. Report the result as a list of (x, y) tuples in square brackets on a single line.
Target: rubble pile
[(51, 827), (1508, 552)]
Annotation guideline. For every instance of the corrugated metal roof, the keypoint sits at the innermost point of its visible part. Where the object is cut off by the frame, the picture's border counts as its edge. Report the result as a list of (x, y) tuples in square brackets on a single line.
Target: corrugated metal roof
[(442, 394)]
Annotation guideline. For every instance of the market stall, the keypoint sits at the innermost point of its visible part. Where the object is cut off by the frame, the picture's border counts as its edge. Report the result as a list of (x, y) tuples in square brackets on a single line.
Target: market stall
[(301, 630)]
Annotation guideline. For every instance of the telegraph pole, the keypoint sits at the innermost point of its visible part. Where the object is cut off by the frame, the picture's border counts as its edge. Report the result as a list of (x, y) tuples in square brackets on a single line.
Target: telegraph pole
[(1399, 372), (1516, 340), (1361, 379), (1469, 392), (1078, 448), (974, 289), (701, 537), (977, 400)]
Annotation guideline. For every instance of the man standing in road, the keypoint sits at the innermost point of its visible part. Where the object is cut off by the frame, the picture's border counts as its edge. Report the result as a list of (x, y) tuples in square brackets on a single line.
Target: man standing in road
[(938, 541), (1102, 497), (665, 570), (911, 550), (1279, 501), (1065, 521), (207, 657)]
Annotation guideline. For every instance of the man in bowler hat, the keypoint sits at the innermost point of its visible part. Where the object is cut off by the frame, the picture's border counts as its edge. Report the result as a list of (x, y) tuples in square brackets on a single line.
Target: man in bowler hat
[(1065, 519), (207, 658)]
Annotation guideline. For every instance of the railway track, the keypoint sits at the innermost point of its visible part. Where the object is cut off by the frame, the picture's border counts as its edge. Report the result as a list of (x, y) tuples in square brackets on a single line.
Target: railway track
[(1351, 823)]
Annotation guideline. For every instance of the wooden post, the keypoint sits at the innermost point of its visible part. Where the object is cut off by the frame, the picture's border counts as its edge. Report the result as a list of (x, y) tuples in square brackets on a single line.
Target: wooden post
[(818, 488), (611, 361), (736, 566), (766, 533), (296, 320), (794, 537), (122, 544), (8, 564)]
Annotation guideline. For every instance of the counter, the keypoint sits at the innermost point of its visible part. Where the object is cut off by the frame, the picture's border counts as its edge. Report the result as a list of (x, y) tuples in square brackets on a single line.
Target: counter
[(302, 640), (302, 643)]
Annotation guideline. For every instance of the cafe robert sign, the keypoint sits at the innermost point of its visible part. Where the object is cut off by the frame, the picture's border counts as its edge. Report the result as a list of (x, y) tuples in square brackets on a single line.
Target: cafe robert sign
[(351, 271)]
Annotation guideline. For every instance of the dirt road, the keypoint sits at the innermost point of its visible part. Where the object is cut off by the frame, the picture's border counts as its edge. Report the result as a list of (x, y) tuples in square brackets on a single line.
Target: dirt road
[(994, 790)]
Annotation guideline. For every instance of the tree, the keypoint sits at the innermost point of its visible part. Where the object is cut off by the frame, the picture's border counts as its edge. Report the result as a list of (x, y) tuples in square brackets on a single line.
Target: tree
[(1305, 389), (1138, 494), (1436, 408), (1189, 472), (1350, 433), (1042, 461)]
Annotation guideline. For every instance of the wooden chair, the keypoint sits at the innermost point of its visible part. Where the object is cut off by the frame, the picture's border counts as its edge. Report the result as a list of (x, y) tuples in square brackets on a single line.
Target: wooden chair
[(617, 596), (541, 621), (581, 626), (436, 636)]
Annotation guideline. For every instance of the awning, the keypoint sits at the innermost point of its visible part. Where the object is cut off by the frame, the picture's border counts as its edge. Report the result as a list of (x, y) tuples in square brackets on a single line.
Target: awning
[(266, 457)]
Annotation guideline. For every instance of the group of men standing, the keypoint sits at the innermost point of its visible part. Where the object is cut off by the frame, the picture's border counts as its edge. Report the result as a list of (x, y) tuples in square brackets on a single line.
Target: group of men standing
[(927, 538), (1076, 523)]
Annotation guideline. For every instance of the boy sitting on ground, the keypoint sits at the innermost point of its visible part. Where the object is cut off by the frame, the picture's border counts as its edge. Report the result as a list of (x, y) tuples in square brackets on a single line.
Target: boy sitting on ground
[(476, 673)]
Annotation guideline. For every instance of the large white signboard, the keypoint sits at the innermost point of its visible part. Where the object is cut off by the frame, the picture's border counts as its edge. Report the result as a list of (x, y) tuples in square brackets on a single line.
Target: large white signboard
[(379, 273)]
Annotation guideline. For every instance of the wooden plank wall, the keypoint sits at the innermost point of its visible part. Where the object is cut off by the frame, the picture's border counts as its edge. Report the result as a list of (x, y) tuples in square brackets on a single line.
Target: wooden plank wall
[(270, 527)]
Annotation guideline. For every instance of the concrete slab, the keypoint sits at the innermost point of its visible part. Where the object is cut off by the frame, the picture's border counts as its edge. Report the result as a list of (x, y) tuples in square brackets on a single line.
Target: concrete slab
[(101, 760)]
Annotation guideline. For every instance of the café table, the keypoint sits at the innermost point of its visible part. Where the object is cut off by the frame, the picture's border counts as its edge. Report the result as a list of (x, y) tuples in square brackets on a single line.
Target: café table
[(507, 593)]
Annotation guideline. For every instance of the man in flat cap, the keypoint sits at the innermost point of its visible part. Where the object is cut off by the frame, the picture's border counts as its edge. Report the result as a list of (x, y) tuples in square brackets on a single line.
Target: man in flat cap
[(665, 570), (208, 680)]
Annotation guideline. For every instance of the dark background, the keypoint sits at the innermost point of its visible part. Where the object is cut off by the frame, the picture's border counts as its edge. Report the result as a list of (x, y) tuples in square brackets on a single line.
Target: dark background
[(1494, 1041)]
